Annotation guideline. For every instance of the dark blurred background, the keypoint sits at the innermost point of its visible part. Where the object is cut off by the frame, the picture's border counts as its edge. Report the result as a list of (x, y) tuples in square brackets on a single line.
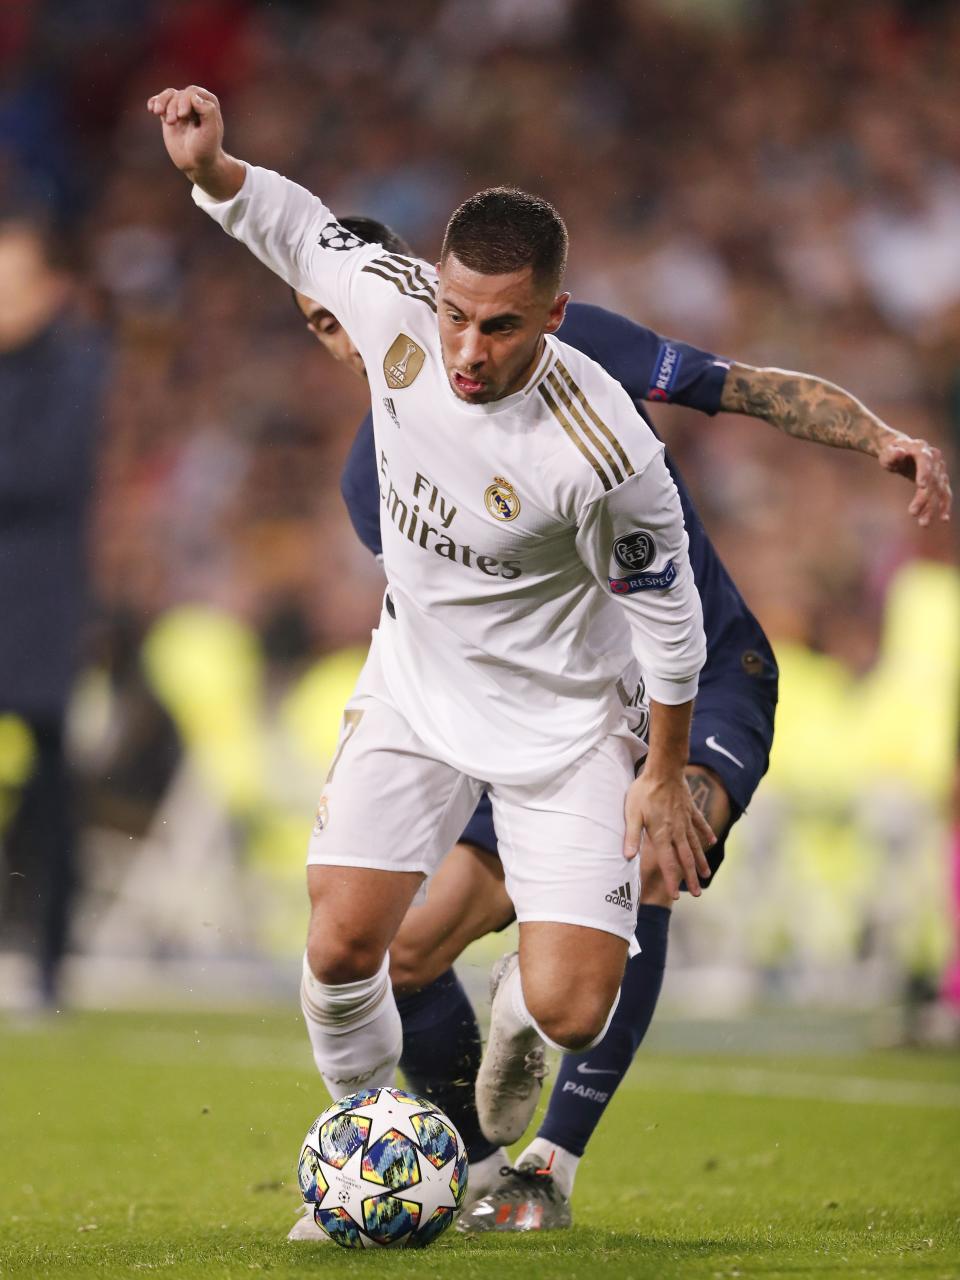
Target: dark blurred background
[(775, 180)]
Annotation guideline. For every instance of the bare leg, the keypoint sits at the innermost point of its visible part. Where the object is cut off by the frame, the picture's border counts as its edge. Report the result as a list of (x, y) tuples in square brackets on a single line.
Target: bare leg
[(354, 914), (570, 977), (466, 899), (345, 994), (563, 989)]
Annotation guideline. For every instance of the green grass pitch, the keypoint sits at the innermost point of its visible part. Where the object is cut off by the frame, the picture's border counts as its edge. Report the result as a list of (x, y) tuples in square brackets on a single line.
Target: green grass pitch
[(133, 1145)]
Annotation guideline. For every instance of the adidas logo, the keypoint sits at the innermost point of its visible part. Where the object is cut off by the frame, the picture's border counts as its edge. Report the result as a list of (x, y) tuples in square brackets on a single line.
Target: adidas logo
[(621, 897), (391, 408)]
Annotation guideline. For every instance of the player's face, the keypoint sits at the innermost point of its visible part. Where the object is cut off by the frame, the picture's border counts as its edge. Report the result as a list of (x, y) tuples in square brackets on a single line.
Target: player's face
[(330, 333), (491, 328)]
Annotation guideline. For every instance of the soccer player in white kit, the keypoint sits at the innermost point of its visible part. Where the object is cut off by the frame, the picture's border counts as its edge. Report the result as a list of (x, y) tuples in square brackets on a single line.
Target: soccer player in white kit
[(533, 544)]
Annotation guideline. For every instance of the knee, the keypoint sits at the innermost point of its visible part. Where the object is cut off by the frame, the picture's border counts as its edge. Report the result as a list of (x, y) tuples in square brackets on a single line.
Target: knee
[(338, 957), (572, 1022)]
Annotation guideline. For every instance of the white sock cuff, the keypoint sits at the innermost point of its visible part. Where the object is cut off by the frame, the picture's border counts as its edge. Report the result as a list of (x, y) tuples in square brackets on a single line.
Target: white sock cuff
[(517, 1002), (343, 1006), (606, 1026)]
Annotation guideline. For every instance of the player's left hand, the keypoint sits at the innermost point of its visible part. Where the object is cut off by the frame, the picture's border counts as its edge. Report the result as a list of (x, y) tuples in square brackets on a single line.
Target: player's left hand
[(662, 812), (922, 463), (192, 126)]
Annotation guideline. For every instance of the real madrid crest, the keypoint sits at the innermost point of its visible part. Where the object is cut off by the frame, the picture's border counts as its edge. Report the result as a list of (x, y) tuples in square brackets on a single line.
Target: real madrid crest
[(501, 499), (402, 362)]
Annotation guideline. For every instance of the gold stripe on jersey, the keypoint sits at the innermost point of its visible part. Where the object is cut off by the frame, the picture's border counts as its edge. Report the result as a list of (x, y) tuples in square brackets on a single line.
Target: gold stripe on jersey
[(400, 281), (575, 415), (410, 272), (597, 421), (413, 266), (577, 439), (540, 370)]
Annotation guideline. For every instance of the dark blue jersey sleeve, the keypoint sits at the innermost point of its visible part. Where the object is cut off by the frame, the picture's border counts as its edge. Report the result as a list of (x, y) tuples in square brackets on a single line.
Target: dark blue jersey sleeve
[(647, 366), (360, 486)]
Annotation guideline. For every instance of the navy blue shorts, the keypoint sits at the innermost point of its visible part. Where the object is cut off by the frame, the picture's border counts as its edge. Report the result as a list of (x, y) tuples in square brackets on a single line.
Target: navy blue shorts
[(731, 734), (479, 830)]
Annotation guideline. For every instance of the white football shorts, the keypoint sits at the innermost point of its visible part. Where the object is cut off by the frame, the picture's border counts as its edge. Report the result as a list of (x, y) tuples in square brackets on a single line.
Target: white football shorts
[(388, 803)]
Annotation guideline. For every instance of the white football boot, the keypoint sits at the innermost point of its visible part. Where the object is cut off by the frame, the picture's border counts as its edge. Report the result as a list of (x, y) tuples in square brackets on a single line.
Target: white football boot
[(305, 1228), (511, 1074)]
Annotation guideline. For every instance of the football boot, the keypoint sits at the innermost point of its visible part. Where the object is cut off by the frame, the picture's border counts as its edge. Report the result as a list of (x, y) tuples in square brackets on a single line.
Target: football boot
[(528, 1199), (511, 1074)]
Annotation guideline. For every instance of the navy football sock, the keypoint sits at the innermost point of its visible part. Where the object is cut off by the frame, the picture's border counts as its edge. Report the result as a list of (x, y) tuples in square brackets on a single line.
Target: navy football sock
[(587, 1081), (441, 1055)]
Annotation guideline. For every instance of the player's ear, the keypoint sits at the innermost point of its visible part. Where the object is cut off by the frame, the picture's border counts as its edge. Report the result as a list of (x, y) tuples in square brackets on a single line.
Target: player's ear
[(558, 309)]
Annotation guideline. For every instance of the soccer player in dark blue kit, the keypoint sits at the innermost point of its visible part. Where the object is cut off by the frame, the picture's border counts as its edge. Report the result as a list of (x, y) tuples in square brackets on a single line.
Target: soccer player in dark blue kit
[(729, 748)]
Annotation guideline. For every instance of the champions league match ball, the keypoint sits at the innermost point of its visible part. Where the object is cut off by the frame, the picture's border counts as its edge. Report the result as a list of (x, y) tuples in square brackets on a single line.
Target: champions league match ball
[(383, 1167)]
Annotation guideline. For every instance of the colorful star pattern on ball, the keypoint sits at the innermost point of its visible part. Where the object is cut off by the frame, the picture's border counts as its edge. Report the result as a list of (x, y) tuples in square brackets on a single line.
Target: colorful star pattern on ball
[(383, 1168)]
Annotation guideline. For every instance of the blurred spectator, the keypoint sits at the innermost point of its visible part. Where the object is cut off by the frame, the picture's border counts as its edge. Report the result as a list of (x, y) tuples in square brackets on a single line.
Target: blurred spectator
[(52, 369)]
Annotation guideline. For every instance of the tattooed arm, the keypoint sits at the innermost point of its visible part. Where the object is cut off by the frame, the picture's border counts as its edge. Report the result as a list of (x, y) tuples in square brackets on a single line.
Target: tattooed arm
[(811, 409)]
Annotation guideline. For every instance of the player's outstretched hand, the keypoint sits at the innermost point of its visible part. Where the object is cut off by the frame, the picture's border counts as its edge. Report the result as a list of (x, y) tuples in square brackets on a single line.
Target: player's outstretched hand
[(923, 464), (192, 126), (662, 813), (193, 136)]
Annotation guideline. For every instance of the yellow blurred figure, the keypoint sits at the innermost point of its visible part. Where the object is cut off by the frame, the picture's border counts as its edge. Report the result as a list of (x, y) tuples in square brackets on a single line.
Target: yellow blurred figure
[(905, 726), (859, 781), (263, 764), (206, 668), (311, 710), (17, 756)]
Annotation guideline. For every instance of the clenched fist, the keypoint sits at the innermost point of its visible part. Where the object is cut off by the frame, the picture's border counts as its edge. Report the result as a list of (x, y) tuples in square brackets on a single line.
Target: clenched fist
[(193, 136)]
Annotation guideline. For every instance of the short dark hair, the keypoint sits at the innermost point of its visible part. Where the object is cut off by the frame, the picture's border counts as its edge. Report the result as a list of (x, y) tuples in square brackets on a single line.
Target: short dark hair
[(370, 231), (373, 232), (503, 229)]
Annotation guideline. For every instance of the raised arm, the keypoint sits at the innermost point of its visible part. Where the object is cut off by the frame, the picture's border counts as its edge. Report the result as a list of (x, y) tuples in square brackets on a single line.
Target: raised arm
[(652, 367), (288, 228), (810, 408)]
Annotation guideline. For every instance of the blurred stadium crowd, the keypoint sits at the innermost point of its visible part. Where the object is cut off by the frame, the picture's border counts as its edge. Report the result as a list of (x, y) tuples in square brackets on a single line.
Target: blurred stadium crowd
[(776, 181)]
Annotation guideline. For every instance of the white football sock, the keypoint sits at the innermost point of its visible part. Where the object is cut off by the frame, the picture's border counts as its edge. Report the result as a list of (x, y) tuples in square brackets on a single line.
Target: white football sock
[(484, 1175), (354, 1030), (561, 1163)]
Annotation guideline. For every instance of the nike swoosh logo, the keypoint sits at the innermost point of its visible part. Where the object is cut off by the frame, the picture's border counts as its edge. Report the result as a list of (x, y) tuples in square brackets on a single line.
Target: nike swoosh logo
[(714, 745), (584, 1070)]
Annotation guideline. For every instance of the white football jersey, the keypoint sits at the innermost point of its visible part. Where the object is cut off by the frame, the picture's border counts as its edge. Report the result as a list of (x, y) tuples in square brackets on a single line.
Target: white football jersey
[(531, 545)]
